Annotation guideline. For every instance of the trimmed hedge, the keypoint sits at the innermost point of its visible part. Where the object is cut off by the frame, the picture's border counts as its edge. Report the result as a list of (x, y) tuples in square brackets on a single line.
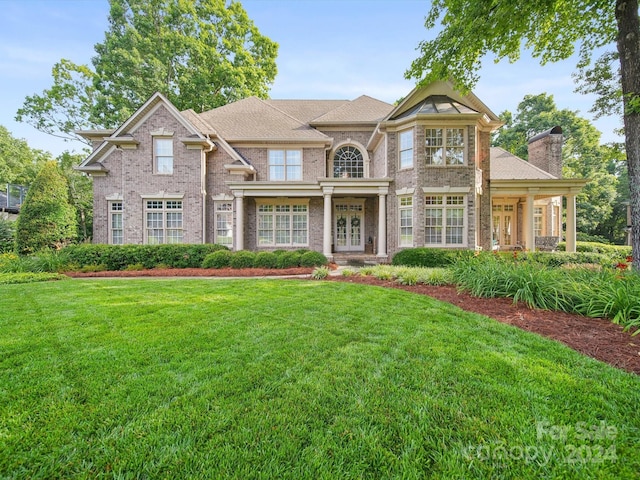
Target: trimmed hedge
[(242, 259), (429, 257), (266, 260), (219, 259), (118, 257), (313, 259), (614, 251)]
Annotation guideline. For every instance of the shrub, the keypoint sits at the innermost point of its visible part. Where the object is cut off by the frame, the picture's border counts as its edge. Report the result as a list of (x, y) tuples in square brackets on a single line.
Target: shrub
[(613, 251), (242, 259), (429, 257), (289, 259), (266, 260), (134, 267), (47, 219), (312, 259), (219, 259), (320, 273), (117, 257), (7, 235)]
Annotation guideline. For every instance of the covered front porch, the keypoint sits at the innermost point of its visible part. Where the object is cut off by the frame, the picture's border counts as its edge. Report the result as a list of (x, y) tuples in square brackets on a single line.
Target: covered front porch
[(353, 219), (526, 210)]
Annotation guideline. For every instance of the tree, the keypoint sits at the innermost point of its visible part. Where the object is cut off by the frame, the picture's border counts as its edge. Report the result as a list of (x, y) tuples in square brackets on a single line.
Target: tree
[(200, 54), (583, 156), (80, 193), (67, 106), (19, 163), (46, 219), (551, 29)]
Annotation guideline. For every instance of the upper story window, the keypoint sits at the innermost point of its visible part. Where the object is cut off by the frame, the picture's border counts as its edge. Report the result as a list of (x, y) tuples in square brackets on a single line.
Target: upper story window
[(406, 149), (285, 165), (348, 162), (444, 146), (163, 155)]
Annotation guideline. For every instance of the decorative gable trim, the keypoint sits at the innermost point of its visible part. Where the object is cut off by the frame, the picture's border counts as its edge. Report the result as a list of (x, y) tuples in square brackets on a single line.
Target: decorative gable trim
[(126, 142)]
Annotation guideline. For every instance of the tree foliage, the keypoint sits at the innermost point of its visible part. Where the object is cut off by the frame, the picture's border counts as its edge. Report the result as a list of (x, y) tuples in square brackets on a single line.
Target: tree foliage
[(19, 163), (551, 30), (583, 156), (200, 54), (65, 107), (47, 219), (80, 193)]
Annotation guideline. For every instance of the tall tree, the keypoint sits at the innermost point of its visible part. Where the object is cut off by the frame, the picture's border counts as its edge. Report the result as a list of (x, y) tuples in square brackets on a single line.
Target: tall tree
[(200, 54), (46, 219), (583, 156), (551, 29), (19, 163), (80, 193)]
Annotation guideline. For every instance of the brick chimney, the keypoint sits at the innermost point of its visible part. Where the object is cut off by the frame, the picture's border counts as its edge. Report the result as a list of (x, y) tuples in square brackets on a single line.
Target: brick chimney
[(545, 151)]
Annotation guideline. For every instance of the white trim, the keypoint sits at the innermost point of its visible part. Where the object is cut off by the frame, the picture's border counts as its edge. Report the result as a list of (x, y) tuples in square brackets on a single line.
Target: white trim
[(349, 142), (222, 197), (161, 132), (446, 189), (465, 219), (282, 201), (405, 191), (114, 197), (162, 195)]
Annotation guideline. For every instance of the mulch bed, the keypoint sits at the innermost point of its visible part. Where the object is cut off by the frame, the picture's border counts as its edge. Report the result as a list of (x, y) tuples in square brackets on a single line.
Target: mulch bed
[(595, 337)]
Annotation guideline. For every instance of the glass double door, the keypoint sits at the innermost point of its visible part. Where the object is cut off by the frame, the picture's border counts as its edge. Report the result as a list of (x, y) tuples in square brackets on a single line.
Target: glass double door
[(504, 225), (348, 226)]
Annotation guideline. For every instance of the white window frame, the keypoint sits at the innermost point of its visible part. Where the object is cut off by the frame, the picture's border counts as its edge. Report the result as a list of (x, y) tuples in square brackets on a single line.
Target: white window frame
[(445, 207), (163, 160), (539, 229), (280, 220), (442, 145), (223, 212), (116, 210), (354, 170), (405, 221), (288, 164), (405, 151), (162, 225)]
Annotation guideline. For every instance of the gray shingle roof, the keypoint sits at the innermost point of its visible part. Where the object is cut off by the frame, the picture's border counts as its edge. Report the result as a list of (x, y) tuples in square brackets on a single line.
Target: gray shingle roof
[(363, 109), (306, 110), (506, 166), (255, 119)]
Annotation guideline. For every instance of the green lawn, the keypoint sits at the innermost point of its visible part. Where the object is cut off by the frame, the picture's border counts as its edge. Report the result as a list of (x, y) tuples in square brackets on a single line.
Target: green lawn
[(294, 379)]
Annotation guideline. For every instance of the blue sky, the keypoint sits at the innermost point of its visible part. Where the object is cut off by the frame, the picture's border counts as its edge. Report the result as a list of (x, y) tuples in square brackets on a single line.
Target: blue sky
[(328, 49)]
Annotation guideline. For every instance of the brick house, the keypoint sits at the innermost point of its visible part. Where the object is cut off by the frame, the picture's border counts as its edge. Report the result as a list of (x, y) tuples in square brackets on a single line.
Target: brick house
[(335, 176)]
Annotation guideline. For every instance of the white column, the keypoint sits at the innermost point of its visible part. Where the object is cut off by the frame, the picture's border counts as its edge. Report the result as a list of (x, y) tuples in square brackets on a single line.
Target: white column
[(239, 220), (326, 230), (571, 223), (382, 222), (529, 231)]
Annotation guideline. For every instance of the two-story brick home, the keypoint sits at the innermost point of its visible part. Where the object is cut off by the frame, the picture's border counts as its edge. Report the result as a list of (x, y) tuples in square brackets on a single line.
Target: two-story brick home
[(359, 176)]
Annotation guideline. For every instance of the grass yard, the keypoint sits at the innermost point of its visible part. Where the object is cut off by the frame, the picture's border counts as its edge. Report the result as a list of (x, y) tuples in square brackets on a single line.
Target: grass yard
[(294, 379)]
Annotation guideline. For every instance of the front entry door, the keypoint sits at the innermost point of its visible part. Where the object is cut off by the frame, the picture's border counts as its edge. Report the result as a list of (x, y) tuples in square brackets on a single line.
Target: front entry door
[(503, 225), (348, 226)]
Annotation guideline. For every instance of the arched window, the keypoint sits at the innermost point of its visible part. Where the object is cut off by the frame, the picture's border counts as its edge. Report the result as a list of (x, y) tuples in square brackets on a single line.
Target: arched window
[(348, 163)]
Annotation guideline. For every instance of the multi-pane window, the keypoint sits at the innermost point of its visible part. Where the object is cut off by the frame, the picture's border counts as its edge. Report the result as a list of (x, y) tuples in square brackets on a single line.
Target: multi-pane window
[(163, 155), (283, 224), (444, 146), (285, 165), (224, 223), (116, 231), (538, 229), (444, 219), (406, 149), (406, 221), (164, 221), (348, 163)]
